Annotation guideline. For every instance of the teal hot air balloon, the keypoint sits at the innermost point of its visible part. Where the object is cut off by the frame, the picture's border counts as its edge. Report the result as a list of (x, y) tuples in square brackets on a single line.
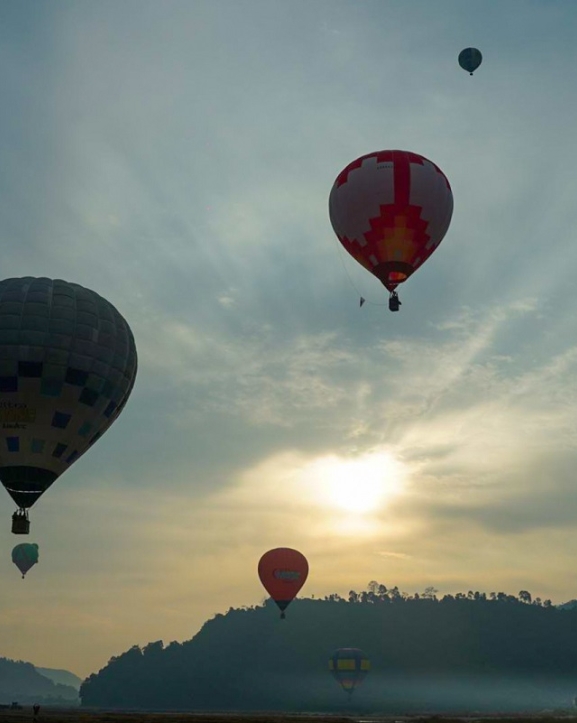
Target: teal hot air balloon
[(349, 667), (470, 59), (67, 367), (25, 556)]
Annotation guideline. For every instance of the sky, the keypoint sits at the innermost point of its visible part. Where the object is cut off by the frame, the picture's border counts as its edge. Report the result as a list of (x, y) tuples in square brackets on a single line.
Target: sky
[(177, 158)]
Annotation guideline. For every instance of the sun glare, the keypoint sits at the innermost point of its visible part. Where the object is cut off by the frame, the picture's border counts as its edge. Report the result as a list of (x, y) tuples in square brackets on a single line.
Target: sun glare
[(360, 485)]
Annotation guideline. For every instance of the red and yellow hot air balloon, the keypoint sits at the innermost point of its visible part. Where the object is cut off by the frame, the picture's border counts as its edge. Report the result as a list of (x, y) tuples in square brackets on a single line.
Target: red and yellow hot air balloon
[(390, 210), (283, 571)]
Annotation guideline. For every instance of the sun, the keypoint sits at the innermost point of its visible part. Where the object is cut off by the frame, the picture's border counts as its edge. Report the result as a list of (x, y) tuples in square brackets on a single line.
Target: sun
[(360, 485)]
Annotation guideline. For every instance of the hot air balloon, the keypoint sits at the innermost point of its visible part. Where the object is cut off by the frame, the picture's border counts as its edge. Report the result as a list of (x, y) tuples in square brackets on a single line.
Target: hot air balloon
[(390, 210), (25, 556), (67, 367), (470, 59), (349, 666), (283, 572)]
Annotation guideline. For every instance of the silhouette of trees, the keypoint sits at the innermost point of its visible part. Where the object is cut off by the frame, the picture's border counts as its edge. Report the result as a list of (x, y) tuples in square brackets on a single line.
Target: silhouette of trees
[(525, 596)]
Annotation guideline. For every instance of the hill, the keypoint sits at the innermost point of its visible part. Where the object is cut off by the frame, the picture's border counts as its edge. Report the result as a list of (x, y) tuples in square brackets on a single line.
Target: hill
[(464, 652), (568, 605), (62, 677), (22, 682)]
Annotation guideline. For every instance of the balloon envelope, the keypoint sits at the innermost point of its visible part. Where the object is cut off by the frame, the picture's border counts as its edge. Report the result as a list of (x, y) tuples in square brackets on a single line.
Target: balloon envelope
[(25, 556), (349, 666), (283, 571), (470, 59), (67, 367), (390, 210)]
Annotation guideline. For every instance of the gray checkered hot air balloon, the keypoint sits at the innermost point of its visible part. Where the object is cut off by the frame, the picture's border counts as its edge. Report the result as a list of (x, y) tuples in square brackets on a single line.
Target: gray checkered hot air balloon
[(67, 367)]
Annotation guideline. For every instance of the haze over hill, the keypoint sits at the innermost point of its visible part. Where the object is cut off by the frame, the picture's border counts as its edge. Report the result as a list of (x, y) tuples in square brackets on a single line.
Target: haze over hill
[(470, 651), (63, 677), (22, 682)]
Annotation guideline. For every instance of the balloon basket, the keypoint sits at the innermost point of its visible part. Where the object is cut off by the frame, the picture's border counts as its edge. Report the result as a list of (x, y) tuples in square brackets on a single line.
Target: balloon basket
[(20, 523)]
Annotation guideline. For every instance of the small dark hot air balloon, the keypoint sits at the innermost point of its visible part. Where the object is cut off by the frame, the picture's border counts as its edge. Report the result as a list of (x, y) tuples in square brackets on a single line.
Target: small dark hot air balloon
[(349, 667), (25, 556), (470, 59), (283, 571), (67, 367), (390, 210)]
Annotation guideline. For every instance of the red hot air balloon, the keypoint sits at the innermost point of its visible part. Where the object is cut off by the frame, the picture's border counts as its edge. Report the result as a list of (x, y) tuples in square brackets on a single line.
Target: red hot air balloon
[(390, 210), (283, 572)]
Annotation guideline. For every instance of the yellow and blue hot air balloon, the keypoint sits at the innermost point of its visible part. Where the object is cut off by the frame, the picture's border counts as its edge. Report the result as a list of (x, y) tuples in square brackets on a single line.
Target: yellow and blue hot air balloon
[(25, 556), (470, 59), (349, 666), (67, 367)]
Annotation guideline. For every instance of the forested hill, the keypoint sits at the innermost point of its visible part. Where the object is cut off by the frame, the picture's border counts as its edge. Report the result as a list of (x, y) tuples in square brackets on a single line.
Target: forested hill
[(465, 652), (21, 682)]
